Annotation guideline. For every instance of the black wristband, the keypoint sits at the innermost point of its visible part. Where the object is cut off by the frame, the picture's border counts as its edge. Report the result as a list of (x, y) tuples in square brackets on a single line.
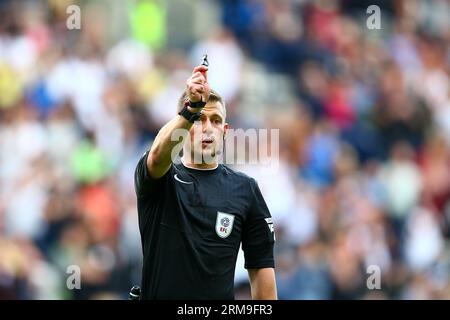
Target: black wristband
[(198, 104), (189, 116)]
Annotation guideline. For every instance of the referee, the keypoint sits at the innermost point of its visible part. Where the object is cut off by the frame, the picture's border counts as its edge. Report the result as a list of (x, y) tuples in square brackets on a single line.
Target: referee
[(194, 215)]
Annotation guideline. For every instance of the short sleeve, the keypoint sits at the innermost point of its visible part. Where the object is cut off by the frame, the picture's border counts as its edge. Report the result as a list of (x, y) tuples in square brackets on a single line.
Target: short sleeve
[(144, 184), (258, 234)]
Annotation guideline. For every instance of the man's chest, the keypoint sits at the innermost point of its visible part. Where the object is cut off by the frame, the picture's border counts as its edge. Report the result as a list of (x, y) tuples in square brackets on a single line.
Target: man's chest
[(212, 210)]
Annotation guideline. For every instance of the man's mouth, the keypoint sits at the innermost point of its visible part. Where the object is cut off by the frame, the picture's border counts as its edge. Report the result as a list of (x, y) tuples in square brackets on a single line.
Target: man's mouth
[(207, 140)]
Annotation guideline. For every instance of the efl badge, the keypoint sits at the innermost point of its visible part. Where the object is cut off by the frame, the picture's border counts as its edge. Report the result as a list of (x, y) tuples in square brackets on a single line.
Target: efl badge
[(224, 224)]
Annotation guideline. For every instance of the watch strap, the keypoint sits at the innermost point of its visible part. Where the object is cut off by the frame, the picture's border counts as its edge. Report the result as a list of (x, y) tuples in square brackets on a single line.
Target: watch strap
[(189, 116)]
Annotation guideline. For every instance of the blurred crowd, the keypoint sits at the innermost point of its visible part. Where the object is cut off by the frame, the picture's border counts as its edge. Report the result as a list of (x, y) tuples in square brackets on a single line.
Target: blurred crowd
[(363, 181)]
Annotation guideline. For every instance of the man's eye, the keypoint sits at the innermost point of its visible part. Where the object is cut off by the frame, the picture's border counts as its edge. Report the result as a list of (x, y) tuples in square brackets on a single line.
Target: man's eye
[(217, 121)]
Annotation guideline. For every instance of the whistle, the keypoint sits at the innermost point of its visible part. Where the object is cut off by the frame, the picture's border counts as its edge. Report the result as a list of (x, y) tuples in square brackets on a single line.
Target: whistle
[(205, 60)]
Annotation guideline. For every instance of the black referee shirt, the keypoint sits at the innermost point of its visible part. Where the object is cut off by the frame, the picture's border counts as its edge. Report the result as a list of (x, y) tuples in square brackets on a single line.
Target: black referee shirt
[(192, 223)]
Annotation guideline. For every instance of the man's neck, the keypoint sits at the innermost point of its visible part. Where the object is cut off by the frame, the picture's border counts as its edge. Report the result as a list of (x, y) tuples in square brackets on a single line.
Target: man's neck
[(199, 166)]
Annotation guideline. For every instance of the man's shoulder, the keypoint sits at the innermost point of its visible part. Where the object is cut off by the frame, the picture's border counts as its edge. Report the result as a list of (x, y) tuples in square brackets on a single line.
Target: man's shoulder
[(238, 175)]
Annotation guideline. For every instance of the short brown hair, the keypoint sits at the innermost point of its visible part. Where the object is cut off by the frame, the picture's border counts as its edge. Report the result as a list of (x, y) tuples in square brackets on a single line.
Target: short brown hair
[(213, 97)]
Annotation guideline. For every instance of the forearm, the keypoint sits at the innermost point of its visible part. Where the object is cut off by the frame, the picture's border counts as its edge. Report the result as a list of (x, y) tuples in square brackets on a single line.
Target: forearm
[(263, 284), (160, 155)]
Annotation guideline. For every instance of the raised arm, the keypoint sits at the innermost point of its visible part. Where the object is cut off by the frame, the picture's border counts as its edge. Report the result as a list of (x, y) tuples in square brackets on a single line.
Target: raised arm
[(159, 158)]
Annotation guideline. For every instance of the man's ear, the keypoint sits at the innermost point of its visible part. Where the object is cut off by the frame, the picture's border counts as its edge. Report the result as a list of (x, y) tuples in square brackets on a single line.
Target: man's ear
[(225, 129)]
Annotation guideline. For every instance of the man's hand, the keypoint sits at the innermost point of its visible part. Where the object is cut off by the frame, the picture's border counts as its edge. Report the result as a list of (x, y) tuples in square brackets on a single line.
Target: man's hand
[(197, 86)]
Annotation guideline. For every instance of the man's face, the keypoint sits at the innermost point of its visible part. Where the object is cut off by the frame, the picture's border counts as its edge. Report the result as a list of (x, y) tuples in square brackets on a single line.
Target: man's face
[(207, 133)]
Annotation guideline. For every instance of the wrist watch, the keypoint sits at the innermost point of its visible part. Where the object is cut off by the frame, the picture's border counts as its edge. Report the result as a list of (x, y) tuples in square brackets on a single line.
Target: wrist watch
[(189, 116)]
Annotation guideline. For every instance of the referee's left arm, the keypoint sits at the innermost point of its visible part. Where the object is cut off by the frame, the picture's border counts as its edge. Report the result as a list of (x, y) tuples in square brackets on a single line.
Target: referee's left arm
[(263, 285), (258, 240)]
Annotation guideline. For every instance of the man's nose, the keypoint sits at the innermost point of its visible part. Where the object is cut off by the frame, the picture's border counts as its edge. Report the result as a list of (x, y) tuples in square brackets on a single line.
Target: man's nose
[(207, 125)]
